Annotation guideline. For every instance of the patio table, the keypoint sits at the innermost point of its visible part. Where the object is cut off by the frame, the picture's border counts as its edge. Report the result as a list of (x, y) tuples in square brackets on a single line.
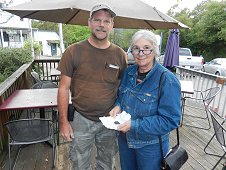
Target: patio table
[(31, 99), (186, 88)]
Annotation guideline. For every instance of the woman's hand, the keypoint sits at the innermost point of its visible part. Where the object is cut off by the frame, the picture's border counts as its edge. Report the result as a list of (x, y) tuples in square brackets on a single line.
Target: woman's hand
[(125, 127), (116, 110)]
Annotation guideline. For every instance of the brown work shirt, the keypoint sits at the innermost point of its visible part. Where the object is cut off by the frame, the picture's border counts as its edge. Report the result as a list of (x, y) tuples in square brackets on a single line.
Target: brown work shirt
[(95, 77)]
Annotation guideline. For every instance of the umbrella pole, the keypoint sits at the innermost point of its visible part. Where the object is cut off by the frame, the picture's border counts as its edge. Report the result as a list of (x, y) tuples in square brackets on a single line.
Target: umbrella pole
[(61, 38)]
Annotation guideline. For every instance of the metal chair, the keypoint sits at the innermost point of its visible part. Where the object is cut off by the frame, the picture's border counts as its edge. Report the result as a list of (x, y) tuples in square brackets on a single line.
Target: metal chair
[(220, 133), (36, 78), (29, 131), (203, 100), (220, 119), (44, 85)]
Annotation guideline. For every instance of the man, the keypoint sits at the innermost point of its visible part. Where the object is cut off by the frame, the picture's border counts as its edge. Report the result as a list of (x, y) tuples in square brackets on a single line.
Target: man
[(91, 70)]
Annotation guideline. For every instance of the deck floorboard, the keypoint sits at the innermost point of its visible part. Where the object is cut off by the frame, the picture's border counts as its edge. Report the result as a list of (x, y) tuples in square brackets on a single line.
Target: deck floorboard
[(38, 156)]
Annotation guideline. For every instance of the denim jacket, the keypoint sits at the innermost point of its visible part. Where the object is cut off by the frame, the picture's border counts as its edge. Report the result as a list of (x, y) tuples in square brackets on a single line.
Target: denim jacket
[(150, 118)]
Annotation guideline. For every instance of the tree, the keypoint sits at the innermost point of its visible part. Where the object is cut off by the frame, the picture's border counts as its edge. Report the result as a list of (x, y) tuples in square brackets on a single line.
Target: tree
[(122, 37), (207, 33), (209, 29), (45, 25), (75, 33)]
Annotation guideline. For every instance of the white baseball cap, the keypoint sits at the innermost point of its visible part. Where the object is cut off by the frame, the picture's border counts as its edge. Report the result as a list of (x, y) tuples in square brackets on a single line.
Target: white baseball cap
[(102, 6)]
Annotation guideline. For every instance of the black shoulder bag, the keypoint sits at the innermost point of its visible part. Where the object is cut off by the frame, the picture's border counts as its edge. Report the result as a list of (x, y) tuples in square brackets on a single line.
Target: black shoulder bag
[(177, 155)]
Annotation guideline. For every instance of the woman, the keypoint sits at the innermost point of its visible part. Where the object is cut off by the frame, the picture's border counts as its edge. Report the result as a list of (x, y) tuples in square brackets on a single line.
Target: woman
[(151, 95)]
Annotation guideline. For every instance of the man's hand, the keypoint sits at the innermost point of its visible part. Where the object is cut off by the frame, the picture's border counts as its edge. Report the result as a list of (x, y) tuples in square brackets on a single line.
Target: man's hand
[(66, 131)]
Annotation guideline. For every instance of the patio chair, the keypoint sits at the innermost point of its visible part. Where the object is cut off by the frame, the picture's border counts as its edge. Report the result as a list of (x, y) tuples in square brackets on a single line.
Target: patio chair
[(54, 111), (36, 78), (200, 100), (220, 119), (220, 133), (42, 85), (29, 131)]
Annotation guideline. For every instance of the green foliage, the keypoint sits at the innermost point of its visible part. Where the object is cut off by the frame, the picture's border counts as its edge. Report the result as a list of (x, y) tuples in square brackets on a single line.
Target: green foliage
[(209, 29), (44, 25), (11, 59), (122, 37), (75, 33), (207, 35), (37, 47)]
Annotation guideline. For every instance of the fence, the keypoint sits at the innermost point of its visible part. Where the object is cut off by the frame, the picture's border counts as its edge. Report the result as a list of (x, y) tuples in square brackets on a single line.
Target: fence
[(20, 79), (202, 81)]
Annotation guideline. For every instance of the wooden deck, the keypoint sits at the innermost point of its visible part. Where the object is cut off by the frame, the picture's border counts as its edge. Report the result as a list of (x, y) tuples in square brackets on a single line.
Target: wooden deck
[(38, 157)]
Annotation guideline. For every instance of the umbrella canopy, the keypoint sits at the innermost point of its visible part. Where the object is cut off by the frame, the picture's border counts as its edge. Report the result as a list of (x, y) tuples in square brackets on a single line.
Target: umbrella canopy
[(130, 13), (171, 57)]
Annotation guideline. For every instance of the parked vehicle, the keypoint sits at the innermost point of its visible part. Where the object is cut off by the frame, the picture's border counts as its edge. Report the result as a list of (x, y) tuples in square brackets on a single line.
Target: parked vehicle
[(130, 57), (187, 60), (216, 66)]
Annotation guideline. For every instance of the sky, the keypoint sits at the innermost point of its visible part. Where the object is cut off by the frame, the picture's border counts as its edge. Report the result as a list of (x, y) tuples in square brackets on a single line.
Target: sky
[(165, 5)]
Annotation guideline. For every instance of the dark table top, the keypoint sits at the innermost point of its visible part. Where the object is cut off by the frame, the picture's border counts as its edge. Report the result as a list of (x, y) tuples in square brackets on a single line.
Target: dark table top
[(31, 98)]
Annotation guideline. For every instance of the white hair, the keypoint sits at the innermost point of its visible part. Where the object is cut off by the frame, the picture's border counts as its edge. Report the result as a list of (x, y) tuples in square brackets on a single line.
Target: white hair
[(147, 35)]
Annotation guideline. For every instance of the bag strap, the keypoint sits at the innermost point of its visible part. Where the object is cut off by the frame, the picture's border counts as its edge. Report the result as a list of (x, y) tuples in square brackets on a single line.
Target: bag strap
[(163, 162)]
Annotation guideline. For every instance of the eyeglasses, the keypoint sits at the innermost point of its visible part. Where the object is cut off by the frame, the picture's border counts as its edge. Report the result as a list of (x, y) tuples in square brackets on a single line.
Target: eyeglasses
[(145, 52)]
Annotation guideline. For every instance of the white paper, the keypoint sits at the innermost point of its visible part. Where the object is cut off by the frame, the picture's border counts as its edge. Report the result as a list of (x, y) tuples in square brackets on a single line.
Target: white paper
[(112, 123)]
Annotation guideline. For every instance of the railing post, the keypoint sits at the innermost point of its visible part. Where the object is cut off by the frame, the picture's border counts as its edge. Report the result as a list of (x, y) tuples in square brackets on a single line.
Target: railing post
[(220, 80), (26, 76), (1, 126)]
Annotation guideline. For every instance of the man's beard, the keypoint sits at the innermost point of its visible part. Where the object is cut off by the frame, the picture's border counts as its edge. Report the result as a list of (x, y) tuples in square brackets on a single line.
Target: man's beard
[(98, 38)]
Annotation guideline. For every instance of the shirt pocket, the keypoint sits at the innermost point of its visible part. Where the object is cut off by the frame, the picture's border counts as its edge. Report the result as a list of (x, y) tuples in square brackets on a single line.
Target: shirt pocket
[(111, 73), (145, 104)]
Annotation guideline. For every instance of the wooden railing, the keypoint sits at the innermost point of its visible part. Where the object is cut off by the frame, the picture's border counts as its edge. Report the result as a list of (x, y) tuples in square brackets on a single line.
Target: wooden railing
[(44, 66), (18, 80), (21, 79)]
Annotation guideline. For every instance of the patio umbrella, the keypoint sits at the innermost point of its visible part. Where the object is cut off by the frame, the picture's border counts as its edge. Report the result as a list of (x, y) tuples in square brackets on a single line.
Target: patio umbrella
[(130, 13), (171, 57)]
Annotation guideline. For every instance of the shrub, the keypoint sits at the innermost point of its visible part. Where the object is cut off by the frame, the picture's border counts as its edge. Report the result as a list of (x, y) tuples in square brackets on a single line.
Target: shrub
[(11, 59), (36, 46)]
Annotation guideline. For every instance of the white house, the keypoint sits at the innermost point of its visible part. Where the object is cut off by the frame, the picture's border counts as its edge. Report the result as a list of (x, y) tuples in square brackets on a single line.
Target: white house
[(14, 32), (50, 42)]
